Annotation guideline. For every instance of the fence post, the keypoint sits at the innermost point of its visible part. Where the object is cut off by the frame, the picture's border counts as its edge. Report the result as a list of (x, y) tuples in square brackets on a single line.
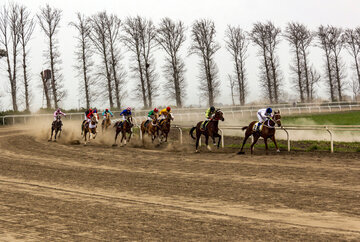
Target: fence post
[(180, 132), (288, 139), (331, 140)]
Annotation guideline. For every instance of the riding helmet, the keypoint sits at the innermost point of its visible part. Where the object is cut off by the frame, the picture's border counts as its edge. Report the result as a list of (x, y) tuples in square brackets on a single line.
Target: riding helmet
[(128, 108), (212, 108), (168, 109), (156, 110), (268, 110)]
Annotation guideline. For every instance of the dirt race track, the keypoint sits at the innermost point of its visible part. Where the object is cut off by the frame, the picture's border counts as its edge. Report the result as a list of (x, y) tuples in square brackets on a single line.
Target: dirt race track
[(58, 191)]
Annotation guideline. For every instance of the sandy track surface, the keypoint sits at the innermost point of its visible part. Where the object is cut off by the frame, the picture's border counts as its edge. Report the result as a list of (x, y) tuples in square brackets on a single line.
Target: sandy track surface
[(57, 191)]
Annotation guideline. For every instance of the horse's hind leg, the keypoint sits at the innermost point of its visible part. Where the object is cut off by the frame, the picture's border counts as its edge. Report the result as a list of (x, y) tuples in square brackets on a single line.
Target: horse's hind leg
[(266, 145), (274, 140), (52, 131), (197, 140), (116, 135), (256, 137), (207, 142)]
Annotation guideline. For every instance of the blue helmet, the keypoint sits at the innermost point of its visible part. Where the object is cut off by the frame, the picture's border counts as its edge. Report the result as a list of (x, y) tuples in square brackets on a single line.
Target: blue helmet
[(268, 110)]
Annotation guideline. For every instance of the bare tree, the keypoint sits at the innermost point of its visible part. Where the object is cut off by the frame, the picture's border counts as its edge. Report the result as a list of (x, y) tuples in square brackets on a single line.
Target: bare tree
[(27, 25), (99, 39), (132, 40), (232, 87), (10, 39), (267, 37), (299, 38), (46, 86), (352, 43), (237, 44), (49, 19), (83, 55), (314, 80), (171, 36), (113, 26), (205, 46), (148, 43), (332, 43)]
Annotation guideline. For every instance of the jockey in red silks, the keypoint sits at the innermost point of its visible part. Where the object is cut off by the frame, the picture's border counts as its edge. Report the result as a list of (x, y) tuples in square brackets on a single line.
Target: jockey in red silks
[(58, 112)]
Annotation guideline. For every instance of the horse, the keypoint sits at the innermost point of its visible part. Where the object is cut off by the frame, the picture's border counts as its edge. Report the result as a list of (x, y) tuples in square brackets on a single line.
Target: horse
[(164, 127), (152, 128), (212, 130), (56, 126), (106, 122), (267, 131), (90, 127), (124, 128)]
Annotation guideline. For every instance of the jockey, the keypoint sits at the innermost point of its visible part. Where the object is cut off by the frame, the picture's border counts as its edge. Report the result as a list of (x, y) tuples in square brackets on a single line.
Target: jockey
[(163, 113), (58, 112), (88, 112), (125, 114), (107, 111), (263, 114), (151, 115), (208, 116)]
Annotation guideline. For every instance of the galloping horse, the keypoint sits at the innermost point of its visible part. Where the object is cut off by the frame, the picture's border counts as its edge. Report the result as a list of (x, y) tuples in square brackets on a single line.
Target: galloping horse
[(124, 128), (106, 122), (56, 126), (151, 128), (267, 131), (164, 127), (90, 128), (212, 130)]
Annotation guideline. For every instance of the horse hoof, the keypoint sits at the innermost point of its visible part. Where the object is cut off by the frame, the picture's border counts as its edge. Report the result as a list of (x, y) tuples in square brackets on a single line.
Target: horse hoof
[(241, 153), (208, 147), (114, 145), (278, 151), (55, 140), (197, 151), (49, 140)]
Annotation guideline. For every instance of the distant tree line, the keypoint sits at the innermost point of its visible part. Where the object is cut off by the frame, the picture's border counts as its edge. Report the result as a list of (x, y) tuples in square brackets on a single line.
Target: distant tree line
[(103, 38)]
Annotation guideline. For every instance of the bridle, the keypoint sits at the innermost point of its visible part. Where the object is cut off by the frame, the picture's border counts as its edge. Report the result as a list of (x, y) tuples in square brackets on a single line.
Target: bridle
[(272, 119)]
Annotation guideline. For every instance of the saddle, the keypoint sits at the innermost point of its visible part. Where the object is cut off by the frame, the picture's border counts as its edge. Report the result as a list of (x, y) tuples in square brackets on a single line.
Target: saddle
[(258, 126)]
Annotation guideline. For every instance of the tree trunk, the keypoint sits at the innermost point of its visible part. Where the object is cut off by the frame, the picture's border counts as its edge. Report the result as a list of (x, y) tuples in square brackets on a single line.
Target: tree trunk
[(53, 80), (299, 75), (86, 84)]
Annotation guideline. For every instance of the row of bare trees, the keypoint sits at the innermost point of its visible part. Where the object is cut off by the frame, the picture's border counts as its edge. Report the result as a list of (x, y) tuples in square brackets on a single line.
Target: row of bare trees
[(99, 55)]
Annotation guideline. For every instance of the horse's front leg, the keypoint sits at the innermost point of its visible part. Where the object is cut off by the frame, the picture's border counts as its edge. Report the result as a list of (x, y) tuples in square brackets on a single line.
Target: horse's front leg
[(274, 140), (123, 137), (218, 144), (198, 135), (52, 131), (207, 142), (130, 134)]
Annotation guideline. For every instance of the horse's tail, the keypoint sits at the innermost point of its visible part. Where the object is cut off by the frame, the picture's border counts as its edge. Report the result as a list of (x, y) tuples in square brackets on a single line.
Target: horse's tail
[(192, 131), (245, 127)]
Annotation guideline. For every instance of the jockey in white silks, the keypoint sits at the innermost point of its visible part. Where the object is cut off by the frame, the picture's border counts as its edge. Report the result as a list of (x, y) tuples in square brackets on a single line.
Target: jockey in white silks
[(264, 114)]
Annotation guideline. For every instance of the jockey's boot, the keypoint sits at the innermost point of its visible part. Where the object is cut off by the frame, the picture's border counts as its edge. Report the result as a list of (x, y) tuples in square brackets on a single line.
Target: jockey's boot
[(203, 127), (82, 128), (146, 123)]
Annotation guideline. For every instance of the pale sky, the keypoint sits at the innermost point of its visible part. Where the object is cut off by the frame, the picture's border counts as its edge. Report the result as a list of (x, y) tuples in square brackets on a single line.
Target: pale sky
[(344, 13)]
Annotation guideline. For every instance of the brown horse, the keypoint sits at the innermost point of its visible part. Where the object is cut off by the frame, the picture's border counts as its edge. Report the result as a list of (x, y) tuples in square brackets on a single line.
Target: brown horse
[(90, 128), (164, 127), (124, 127), (56, 126), (212, 130), (267, 131), (151, 128), (105, 124)]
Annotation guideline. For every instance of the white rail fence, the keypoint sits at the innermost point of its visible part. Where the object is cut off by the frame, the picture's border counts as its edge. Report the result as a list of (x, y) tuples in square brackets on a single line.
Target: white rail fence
[(232, 112)]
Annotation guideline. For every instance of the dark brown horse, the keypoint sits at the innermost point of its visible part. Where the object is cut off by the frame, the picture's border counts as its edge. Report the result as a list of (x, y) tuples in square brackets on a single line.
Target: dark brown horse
[(267, 131), (90, 128), (164, 127), (151, 128), (212, 130), (56, 126), (124, 127)]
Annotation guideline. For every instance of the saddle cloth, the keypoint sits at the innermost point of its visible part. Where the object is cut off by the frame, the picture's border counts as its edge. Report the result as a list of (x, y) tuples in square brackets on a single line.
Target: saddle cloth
[(256, 125), (92, 126)]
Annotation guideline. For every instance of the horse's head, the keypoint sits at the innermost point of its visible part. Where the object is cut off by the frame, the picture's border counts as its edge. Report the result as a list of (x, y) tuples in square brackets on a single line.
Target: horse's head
[(107, 115), (170, 116), (277, 118), (219, 115), (58, 118), (94, 119)]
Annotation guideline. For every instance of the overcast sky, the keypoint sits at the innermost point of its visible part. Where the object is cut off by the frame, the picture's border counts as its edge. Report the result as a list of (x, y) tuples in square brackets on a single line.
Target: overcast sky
[(344, 13)]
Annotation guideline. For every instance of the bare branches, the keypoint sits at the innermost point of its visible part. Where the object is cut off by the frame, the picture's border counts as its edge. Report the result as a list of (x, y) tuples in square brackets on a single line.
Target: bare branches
[(83, 54), (266, 36), (27, 26), (171, 36), (237, 44), (205, 46), (49, 19), (351, 39), (331, 42)]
